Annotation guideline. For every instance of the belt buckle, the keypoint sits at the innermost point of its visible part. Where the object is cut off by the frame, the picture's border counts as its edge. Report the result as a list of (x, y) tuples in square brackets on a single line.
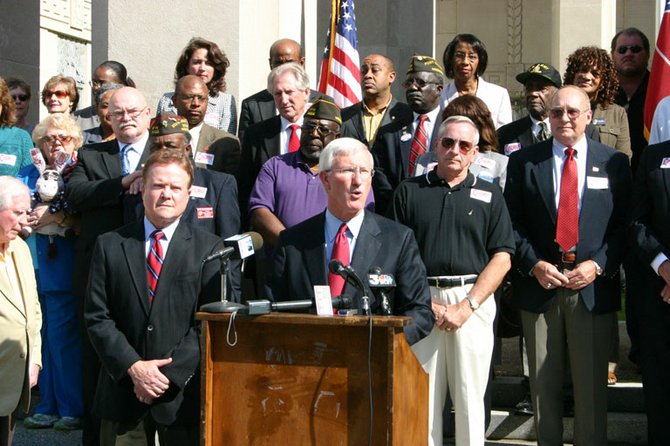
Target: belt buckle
[(568, 257)]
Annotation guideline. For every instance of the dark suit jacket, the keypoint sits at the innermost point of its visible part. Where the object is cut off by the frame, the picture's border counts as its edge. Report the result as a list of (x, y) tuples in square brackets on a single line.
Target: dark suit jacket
[(352, 119), (94, 190), (124, 327), (650, 232), (520, 131), (261, 106), (223, 145), (391, 155), (529, 193), (300, 263), (220, 197)]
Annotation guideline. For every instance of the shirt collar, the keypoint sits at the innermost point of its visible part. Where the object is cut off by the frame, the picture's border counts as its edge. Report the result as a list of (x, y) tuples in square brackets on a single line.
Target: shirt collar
[(432, 115), (381, 109), (168, 231), (354, 225), (138, 145), (285, 124), (434, 179), (559, 149)]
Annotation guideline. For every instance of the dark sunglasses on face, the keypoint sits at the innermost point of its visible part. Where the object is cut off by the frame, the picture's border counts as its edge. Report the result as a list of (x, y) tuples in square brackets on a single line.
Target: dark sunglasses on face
[(64, 139), (624, 48), (450, 143), (420, 83), (60, 94), (573, 113), (20, 97), (321, 130)]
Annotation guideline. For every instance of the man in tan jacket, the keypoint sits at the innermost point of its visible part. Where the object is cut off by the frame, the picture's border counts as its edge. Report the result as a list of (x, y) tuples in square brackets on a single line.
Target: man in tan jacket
[(20, 315)]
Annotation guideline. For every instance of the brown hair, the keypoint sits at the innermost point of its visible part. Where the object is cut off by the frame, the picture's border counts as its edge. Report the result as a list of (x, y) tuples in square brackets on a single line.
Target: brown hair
[(474, 108), (70, 86), (216, 57), (591, 58), (169, 156), (8, 112), (15, 82)]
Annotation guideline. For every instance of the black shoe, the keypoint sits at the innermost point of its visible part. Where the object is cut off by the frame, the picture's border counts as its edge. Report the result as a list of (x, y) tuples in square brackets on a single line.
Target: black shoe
[(524, 407)]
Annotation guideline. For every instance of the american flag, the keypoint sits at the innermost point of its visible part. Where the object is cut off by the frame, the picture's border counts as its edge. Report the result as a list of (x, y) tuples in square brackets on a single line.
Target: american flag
[(340, 70), (659, 79)]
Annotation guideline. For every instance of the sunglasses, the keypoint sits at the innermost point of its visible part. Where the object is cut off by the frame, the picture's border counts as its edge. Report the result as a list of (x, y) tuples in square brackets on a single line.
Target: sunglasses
[(20, 97), (463, 146), (63, 139), (573, 113), (420, 83), (624, 48), (60, 94), (321, 129)]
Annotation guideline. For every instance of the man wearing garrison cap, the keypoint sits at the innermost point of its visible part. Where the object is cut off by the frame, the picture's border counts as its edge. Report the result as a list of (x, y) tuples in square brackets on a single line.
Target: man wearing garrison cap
[(288, 189), (396, 151)]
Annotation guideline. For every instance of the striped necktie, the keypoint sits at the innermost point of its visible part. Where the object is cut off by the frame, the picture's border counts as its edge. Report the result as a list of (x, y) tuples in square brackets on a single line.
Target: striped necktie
[(419, 144), (154, 262)]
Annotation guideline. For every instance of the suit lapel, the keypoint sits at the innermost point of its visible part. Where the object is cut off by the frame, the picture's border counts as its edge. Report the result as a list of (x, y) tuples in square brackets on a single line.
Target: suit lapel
[(595, 166), (314, 256), (366, 250), (543, 172), (8, 292), (111, 159), (172, 262), (204, 139), (405, 149), (133, 250), (267, 109), (357, 121), (273, 142)]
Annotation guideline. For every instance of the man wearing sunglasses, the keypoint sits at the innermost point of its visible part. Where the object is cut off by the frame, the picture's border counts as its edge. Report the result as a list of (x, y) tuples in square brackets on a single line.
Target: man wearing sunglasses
[(568, 198), (465, 239), (397, 149)]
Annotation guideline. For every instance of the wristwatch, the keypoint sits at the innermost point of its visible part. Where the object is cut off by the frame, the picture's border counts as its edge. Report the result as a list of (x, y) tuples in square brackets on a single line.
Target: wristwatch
[(473, 302), (599, 270)]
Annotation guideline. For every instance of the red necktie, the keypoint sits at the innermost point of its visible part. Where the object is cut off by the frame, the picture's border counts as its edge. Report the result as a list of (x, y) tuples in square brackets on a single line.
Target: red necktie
[(294, 139), (341, 253), (154, 262), (419, 143), (567, 224)]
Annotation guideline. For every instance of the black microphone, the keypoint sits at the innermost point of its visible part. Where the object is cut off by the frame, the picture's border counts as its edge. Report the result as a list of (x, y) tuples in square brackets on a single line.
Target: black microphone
[(348, 273), (343, 302), (238, 246), (383, 283), (225, 252)]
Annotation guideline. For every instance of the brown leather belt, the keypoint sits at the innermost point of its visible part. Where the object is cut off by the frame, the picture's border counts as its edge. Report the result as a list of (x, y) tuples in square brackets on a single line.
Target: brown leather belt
[(567, 261)]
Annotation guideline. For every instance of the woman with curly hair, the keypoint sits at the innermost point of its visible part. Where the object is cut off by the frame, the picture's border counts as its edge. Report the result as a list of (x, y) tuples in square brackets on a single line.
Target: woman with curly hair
[(206, 60), (15, 143), (591, 69)]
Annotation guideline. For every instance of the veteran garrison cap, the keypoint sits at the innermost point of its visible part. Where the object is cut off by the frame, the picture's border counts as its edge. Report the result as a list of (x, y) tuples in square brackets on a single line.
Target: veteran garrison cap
[(323, 109), (424, 63), (543, 70), (167, 125)]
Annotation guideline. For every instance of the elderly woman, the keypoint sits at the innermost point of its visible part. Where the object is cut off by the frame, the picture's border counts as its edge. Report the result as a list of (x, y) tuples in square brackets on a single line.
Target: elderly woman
[(61, 406), (465, 60), (206, 60), (591, 69), (60, 94), (21, 92), (104, 131), (15, 143)]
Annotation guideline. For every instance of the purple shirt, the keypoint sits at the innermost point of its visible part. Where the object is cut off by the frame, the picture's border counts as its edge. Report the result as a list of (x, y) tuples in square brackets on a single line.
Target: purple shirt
[(287, 187)]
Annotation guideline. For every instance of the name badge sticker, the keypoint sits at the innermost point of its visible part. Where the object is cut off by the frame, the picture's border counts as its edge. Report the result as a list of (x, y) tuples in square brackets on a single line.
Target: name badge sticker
[(511, 147), (481, 195), (7, 159), (487, 163), (205, 212), (204, 158), (405, 137), (665, 163), (597, 183), (198, 191)]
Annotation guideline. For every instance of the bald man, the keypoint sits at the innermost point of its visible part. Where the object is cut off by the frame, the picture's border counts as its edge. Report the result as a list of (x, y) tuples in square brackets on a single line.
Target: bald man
[(213, 148), (260, 106), (103, 175)]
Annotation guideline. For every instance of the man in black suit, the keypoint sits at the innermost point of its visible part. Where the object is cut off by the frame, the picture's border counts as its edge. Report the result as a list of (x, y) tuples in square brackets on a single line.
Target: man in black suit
[(103, 175), (213, 148), (568, 197), (398, 148), (365, 239), (365, 120), (650, 240), (278, 135), (147, 281), (261, 106)]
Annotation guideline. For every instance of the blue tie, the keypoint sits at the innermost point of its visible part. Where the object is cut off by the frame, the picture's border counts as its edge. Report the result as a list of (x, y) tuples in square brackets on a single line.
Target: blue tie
[(125, 161)]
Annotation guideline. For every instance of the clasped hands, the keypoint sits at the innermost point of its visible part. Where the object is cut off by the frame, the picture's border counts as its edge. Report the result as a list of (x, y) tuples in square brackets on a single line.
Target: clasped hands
[(149, 382), (548, 275), (451, 317)]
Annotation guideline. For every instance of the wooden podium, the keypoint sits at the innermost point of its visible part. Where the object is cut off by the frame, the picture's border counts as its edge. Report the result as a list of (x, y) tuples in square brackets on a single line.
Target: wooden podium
[(299, 379)]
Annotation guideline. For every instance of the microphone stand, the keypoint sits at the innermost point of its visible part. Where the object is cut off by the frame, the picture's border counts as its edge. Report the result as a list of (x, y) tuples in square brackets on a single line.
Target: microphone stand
[(224, 305)]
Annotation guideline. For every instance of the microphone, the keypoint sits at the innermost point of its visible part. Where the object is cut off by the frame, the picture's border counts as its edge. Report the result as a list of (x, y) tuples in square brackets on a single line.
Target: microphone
[(348, 273), (238, 247), (383, 283), (264, 306), (225, 253), (342, 302)]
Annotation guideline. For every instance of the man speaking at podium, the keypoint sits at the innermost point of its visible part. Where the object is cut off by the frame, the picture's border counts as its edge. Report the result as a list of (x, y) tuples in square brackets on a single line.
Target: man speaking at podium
[(147, 280), (356, 237)]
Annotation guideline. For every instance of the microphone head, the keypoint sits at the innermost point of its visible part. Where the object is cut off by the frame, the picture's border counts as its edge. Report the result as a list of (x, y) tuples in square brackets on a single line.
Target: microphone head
[(375, 270), (256, 239), (377, 279), (335, 266)]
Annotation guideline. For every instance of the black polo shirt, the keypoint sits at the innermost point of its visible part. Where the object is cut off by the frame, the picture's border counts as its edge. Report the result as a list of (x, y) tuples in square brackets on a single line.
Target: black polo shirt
[(457, 228)]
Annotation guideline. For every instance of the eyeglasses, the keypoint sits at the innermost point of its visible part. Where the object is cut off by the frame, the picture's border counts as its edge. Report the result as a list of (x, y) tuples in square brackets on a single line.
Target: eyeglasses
[(420, 83), (133, 114), (364, 172), (60, 94), (191, 97), (63, 139), (463, 146), (321, 130), (95, 83), (573, 113), (624, 48), (20, 97), (459, 55)]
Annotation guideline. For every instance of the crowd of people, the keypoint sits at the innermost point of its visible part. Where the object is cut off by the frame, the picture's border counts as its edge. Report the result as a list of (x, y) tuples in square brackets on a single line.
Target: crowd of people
[(118, 204)]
